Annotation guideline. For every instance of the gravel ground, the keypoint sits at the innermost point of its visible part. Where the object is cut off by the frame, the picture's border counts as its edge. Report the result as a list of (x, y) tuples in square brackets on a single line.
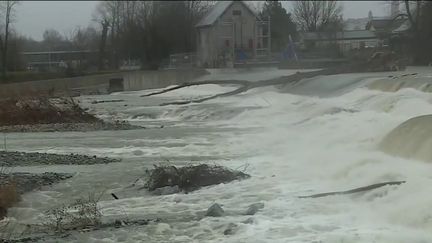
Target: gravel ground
[(69, 127), (26, 182), (9, 159)]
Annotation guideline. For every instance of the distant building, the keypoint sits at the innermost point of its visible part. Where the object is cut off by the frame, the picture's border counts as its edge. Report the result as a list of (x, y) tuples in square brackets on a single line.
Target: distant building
[(231, 32), (355, 24), (345, 40), (59, 60), (385, 28), (370, 32), (390, 28)]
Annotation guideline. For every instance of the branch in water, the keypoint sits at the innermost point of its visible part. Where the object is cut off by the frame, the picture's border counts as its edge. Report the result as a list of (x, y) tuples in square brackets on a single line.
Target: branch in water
[(247, 85), (234, 92), (189, 84), (360, 189)]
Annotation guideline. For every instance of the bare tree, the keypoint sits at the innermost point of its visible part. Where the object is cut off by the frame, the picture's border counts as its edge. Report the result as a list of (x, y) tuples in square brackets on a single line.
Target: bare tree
[(114, 10), (418, 14), (7, 8), (84, 38), (414, 12), (53, 40), (102, 18), (147, 30), (102, 45), (316, 15)]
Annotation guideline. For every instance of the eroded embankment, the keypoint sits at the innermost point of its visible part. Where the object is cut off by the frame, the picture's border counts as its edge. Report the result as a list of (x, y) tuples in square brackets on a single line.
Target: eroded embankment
[(42, 114)]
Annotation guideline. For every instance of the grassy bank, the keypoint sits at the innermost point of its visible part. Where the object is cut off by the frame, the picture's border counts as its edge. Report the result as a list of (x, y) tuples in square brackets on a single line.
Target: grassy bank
[(23, 76)]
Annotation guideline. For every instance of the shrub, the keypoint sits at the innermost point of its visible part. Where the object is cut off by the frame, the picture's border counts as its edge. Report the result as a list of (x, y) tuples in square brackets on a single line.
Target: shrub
[(8, 197), (82, 213)]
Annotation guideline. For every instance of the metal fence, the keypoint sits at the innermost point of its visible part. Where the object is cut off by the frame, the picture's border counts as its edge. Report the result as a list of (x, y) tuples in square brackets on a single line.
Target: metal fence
[(182, 60)]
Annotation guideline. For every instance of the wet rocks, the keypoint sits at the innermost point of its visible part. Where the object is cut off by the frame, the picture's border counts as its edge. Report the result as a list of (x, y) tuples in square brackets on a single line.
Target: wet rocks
[(167, 190), (215, 210), (137, 152), (248, 221), (231, 229), (12, 158), (254, 208)]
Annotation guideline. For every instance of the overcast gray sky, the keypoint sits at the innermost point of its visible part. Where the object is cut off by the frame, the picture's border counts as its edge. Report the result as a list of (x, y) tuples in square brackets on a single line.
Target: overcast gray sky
[(33, 17)]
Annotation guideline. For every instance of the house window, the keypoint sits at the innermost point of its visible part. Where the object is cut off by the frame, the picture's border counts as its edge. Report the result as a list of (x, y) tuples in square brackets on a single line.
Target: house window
[(236, 12)]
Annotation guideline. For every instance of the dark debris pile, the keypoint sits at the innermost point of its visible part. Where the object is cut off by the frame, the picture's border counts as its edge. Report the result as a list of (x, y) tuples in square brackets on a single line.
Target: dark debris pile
[(190, 178)]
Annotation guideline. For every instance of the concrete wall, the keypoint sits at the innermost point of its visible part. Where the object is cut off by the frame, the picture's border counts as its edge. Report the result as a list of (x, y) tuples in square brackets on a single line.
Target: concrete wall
[(135, 80)]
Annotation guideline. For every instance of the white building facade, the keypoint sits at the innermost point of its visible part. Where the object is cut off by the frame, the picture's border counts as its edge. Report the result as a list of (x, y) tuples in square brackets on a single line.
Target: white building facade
[(231, 32)]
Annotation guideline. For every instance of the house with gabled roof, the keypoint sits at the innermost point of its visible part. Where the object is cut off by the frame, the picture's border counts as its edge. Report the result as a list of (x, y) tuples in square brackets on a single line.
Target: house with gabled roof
[(390, 29), (231, 32), (346, 41)]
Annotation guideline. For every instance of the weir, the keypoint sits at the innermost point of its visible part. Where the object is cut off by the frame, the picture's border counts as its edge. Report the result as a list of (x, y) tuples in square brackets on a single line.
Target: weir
[(412, 139)]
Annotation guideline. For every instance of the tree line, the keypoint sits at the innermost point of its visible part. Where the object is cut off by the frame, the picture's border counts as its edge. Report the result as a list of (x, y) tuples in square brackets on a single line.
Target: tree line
[(149, 31), (420, 31)]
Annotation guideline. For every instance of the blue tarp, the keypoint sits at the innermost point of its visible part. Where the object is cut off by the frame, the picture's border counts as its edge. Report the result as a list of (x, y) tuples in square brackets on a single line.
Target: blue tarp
[(289, 53)]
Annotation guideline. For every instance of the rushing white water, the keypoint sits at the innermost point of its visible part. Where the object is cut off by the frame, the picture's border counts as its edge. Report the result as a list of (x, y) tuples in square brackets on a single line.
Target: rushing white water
[(291, 144)]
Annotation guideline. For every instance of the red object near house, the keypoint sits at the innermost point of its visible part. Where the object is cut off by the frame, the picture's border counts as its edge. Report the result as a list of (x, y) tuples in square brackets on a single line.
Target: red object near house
[(250, 44), (227, 43)]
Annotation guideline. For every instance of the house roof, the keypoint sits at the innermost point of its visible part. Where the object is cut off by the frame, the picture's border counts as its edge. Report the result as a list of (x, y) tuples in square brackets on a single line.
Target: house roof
[(405, 26), (346, 35), (385, 24), (218, 10), (355, 24)]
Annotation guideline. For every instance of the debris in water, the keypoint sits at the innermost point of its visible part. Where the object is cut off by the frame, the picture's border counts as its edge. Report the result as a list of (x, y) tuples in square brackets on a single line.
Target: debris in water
[(360, 189), (190, 178), (215, 210), (106, 101)]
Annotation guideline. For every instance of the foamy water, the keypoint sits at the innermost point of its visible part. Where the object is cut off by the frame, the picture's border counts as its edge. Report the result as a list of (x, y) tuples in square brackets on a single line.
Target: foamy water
[(291, 144)]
